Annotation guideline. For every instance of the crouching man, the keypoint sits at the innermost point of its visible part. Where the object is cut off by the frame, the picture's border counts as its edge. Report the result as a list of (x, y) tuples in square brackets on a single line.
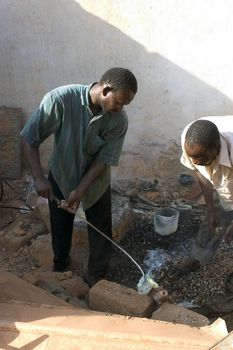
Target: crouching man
[(207, 146)]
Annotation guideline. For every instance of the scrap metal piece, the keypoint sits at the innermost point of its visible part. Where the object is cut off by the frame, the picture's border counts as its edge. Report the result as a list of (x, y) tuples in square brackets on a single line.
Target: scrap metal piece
[(145, 284), (160, 295)]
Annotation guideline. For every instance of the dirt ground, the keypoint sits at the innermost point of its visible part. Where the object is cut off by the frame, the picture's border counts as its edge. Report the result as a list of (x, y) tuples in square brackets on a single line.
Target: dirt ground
[(149, 249)]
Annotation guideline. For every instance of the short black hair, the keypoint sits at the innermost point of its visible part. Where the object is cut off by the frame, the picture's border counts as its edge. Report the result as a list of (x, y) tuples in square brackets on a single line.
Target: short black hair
[(120, 78), (203, 132)]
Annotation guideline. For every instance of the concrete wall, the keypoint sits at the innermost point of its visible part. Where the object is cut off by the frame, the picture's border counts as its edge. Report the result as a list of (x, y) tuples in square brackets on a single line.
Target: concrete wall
[(180, 51)]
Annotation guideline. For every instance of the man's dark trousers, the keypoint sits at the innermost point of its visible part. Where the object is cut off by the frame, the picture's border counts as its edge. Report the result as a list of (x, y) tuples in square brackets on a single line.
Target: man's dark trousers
[(100, 249)]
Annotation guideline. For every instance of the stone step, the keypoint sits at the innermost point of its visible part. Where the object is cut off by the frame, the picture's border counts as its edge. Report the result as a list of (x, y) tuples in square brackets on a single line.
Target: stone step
[(54, 327)]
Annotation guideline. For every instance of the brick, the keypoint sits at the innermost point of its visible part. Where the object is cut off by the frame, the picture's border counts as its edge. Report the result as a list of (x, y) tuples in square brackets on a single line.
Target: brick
[(111, 297)]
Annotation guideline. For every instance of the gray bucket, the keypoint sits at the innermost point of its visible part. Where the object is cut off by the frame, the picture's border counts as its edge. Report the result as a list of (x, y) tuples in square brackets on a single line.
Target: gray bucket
[(166, 221)]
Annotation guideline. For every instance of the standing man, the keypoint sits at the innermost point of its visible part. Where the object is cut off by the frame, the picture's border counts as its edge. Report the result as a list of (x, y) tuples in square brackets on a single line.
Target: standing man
[(207, 146), (89, 128)]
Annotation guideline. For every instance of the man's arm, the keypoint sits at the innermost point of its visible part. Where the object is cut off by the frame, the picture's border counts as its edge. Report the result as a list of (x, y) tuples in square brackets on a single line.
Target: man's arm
[(75, 197), (42, 185), (207, 190), (45, 121), (95, 169)]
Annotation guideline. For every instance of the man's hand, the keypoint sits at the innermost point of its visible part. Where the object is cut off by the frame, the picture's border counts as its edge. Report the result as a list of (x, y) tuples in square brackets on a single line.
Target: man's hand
[(74, 200), (70, 208), (43, 188), (72, 203), (228, 237)]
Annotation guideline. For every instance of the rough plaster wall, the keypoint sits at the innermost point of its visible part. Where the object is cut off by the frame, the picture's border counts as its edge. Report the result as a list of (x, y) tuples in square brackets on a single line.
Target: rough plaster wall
[(180, 51)]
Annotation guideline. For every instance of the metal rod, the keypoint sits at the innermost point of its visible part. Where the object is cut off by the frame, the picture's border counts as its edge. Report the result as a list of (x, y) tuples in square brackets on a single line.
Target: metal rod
[(58, 202), (16, 208), (105, 236)]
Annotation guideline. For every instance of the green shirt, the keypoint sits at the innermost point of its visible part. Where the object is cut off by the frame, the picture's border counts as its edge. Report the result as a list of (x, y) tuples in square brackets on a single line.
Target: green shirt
[(79, 138)]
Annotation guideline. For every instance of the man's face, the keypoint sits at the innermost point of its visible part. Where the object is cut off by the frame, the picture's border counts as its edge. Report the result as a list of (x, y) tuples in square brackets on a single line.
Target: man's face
[(201, 155), (114, 100)]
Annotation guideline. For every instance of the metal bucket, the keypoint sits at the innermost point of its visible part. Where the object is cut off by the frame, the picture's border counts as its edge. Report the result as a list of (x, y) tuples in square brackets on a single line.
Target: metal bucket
[(166, 221)]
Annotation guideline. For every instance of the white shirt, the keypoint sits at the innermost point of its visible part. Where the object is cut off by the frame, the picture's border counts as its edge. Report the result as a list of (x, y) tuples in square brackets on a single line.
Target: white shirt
[(220, 172)]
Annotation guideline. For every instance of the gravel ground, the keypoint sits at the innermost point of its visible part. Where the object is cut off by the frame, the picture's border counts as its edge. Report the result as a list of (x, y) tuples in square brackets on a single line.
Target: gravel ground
[(191, 290)]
